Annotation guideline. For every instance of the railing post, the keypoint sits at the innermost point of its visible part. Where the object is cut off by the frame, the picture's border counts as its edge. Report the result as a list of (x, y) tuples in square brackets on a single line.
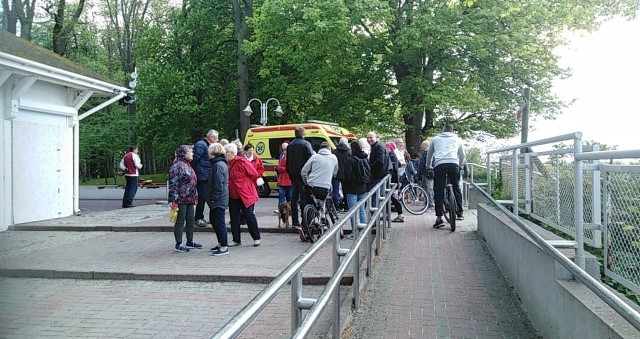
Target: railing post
[(578, 203), (558, 190), (528, 184), (596, 209), (296, 294), (489, 173), (337, 253), (514, 180)]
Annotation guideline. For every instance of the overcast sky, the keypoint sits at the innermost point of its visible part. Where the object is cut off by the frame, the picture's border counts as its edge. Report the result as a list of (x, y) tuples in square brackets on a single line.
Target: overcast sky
[(605, 84)]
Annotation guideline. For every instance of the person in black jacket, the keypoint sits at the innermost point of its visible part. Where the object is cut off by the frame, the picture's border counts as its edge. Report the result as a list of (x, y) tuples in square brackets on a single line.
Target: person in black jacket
[(378, 161), (352, 189), (298, 152), (342, 153), (202, 166), (218, 199), (395, 179)]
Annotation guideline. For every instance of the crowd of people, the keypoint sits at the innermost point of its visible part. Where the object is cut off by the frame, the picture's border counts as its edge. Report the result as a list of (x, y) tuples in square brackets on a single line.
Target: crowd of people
[(225, 176)]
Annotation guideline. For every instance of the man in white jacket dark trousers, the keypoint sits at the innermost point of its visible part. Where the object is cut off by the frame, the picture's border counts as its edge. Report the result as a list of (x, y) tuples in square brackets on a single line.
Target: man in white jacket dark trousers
[(447, 152), (318, 171)]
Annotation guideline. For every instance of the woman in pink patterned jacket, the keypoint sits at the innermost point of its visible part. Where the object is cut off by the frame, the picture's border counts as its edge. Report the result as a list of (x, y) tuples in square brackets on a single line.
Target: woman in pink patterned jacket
[(183, 195)]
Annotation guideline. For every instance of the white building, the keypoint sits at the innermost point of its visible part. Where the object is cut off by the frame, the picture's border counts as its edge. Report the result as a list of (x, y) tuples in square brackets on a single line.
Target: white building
[(40, 96)]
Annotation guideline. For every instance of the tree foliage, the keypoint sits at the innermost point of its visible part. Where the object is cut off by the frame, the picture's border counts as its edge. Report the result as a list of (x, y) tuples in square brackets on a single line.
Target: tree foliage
[(390, 66)]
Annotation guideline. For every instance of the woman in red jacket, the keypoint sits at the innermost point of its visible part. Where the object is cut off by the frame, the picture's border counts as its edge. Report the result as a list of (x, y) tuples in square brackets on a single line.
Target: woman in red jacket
[(253, 159), (242, 195), (284, 182)]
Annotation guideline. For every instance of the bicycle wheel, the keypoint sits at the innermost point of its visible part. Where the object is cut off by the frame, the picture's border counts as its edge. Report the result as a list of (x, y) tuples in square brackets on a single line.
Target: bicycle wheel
[(309, 217), (452, 208), (414, 199), (445, 204)]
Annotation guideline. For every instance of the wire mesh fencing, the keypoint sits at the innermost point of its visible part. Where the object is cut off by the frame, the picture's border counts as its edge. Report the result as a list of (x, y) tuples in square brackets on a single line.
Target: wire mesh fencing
[(542, 184)]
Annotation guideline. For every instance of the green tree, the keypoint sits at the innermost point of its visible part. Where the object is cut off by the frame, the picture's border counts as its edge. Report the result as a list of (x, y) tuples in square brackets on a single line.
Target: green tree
[(462, 62), (320, 64)]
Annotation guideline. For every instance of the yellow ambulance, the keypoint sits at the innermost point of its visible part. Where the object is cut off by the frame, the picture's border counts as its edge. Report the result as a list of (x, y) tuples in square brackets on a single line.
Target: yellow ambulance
[(267, 141)]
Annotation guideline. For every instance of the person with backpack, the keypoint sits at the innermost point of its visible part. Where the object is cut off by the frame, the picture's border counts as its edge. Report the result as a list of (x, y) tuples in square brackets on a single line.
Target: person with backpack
[(357, 175)]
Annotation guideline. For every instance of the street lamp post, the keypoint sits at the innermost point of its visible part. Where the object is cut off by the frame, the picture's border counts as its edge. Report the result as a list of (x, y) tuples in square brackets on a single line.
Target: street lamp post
[(263, 109)]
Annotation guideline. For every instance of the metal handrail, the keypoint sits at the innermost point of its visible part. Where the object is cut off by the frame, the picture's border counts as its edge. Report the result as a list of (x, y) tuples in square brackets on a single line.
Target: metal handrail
[(626, 311), (559, 138), (236, 324)]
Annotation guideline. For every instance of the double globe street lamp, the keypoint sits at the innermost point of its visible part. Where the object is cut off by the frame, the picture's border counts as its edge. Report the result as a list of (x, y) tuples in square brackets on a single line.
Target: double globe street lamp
[(263, 109)]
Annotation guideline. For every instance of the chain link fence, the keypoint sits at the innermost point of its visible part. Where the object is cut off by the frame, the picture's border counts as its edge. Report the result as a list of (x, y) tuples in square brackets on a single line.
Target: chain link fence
[(546, 191), (622, 224)]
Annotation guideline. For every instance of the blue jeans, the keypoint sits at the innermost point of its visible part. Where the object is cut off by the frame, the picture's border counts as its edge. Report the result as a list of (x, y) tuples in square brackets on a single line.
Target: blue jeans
[(374, 198), (335, 193), (216, 216), (236, 210), (130, 189), (185, 212), (202, 198), (352, 199), (284, 194), (427, 184)]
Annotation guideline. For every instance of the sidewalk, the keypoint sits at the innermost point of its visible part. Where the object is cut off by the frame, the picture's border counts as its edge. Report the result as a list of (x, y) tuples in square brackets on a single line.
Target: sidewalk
[(427, 283), (431, 283)]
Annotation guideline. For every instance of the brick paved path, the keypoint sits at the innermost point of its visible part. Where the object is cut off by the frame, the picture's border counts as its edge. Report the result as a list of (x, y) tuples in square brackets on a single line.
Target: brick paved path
[(436, 284), (65, 308), (428, 283)]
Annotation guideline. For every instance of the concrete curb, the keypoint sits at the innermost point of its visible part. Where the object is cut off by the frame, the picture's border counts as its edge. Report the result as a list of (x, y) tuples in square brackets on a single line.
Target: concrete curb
[(103, 275), (145, 228)]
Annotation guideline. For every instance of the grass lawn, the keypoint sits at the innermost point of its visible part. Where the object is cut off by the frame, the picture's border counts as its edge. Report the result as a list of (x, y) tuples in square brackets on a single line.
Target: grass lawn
[(119, 180)]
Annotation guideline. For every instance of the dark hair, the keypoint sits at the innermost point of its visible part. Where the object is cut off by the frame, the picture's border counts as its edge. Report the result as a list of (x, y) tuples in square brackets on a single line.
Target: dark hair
[(299, 131), (355, 147), (447, 128), (324, 144), (247, 146), (132, 148)]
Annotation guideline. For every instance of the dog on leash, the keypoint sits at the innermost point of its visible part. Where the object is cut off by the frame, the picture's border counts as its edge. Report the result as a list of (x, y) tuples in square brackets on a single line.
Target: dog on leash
[(284, 212)]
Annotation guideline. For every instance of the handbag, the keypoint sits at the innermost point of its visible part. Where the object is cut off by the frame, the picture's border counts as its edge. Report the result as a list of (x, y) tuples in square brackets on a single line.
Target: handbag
[(173, 215)]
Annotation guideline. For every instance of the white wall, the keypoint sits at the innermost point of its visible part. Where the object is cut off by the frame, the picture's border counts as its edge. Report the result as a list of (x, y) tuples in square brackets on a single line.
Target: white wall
[(42, 169), (37, 150)]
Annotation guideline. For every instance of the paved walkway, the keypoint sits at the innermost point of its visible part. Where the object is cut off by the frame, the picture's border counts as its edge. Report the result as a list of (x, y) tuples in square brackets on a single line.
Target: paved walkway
[(428, 283), (431, 283)]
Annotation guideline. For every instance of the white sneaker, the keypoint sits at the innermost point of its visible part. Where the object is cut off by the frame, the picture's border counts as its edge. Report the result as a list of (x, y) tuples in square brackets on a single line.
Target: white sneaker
[(201, 223), (256, 243)]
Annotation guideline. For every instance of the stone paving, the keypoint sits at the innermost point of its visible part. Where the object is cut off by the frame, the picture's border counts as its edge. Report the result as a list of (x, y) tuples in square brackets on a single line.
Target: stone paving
[(431, 283), (428, 283)]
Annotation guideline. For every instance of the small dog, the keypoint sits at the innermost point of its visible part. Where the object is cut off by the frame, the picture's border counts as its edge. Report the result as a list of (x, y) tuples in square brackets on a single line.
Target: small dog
[(284, 212)]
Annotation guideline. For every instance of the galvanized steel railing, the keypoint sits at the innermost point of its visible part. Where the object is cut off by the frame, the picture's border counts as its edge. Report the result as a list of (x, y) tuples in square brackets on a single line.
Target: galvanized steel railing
[(631, 315), (292, 274)]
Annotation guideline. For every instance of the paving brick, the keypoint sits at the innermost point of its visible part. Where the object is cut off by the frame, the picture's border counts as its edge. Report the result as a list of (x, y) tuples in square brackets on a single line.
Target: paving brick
[(438, 284)]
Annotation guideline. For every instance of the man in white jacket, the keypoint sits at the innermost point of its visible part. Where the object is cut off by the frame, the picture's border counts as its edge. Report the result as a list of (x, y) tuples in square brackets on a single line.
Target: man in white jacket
[(447, 152), (318, 171)]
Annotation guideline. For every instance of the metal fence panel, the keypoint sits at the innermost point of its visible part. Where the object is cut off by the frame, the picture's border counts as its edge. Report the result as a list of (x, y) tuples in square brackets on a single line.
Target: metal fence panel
[(622, 224)]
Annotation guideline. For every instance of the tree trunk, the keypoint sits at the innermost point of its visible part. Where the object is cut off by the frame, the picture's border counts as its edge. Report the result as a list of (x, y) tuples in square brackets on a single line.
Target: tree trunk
[(60, 31), (26, 21), (242, 33), (10, 16), (413, 134)]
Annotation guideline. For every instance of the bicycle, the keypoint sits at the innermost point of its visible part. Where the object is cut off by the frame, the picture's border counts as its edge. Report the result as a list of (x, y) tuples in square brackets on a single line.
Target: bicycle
[(318, 217), (449, 204), (414, 198)]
